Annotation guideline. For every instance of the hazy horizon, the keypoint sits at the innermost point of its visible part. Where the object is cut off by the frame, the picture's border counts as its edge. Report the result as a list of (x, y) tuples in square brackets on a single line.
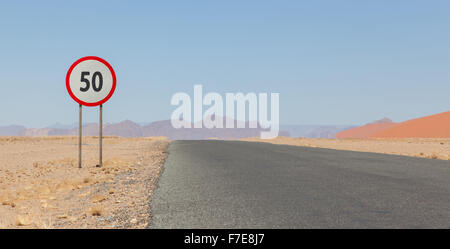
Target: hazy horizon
[(143, 123)]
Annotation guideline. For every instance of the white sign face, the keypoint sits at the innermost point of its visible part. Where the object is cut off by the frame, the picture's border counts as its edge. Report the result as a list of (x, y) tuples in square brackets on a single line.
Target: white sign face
[(91, 81)]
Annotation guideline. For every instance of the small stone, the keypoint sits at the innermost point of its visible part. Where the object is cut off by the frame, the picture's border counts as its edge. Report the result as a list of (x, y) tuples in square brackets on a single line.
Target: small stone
[(62, 216)]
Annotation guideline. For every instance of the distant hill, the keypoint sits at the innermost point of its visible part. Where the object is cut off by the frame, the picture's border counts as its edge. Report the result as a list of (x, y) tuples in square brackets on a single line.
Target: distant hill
[(434, 126), (315, 131), (125, 128), (367, 130), (58, 125), (12, 130)]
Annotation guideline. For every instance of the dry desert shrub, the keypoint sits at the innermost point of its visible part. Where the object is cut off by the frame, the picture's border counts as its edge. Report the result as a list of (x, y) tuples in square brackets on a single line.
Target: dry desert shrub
[(98, 198), (23, 220), (42, 223), (96, 210), (433, 156), (3, 224), (62, 216), (8, 203)]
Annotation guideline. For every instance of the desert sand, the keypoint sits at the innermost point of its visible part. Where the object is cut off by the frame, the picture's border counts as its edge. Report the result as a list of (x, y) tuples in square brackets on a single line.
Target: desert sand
[(41, 185), (433, 148), (367, 130), (433, 126)]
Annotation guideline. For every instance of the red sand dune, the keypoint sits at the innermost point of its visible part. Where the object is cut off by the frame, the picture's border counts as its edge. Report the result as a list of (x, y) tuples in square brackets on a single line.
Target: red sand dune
[(367, 130), (434, 126)]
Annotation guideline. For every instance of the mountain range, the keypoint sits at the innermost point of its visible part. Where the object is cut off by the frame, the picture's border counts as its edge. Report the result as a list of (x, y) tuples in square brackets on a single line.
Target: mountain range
[(129, 128), (433, 126)]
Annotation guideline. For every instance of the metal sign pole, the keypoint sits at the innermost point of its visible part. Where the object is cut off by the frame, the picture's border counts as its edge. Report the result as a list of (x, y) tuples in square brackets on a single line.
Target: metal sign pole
[(79, 138), (101, 136)]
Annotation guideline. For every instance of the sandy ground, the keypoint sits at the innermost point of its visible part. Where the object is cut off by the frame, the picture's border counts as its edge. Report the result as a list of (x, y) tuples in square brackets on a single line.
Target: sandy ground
[(41, 185), (433, 148)]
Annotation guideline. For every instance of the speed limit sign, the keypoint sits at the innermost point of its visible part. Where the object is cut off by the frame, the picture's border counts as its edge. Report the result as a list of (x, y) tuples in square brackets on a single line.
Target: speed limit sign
[(90, 81)]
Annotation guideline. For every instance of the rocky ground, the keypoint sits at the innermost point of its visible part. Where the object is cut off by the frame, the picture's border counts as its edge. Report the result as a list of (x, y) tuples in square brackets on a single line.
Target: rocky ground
[(41, 185)]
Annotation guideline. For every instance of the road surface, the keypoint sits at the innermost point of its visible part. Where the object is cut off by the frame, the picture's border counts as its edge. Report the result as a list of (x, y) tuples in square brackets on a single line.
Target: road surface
[(230, 184)]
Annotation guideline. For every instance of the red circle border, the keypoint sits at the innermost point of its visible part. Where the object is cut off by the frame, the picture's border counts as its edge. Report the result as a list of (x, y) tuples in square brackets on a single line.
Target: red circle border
[(113, 88)]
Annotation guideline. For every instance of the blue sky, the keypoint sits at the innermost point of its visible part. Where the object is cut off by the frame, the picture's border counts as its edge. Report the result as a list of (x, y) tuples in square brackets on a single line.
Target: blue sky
[(333, 62)]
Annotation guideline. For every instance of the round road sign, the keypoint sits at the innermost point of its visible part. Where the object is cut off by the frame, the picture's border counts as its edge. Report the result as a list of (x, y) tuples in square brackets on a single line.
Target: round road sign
[(91, 81)]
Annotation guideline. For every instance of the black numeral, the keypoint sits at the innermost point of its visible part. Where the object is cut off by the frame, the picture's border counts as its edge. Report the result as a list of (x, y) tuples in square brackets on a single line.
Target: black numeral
[(86, 81), (96, 87), (100, 81)]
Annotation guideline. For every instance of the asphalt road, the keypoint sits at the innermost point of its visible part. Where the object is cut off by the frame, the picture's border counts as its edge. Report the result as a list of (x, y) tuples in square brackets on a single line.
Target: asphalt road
[(227, 184)]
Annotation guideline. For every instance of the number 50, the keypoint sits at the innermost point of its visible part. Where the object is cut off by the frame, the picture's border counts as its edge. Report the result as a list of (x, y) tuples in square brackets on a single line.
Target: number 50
[(94, 85)]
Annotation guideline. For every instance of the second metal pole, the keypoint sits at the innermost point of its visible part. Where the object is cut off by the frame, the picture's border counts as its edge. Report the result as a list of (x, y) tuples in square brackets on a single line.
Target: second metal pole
[(100, 136), (80, 124)]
